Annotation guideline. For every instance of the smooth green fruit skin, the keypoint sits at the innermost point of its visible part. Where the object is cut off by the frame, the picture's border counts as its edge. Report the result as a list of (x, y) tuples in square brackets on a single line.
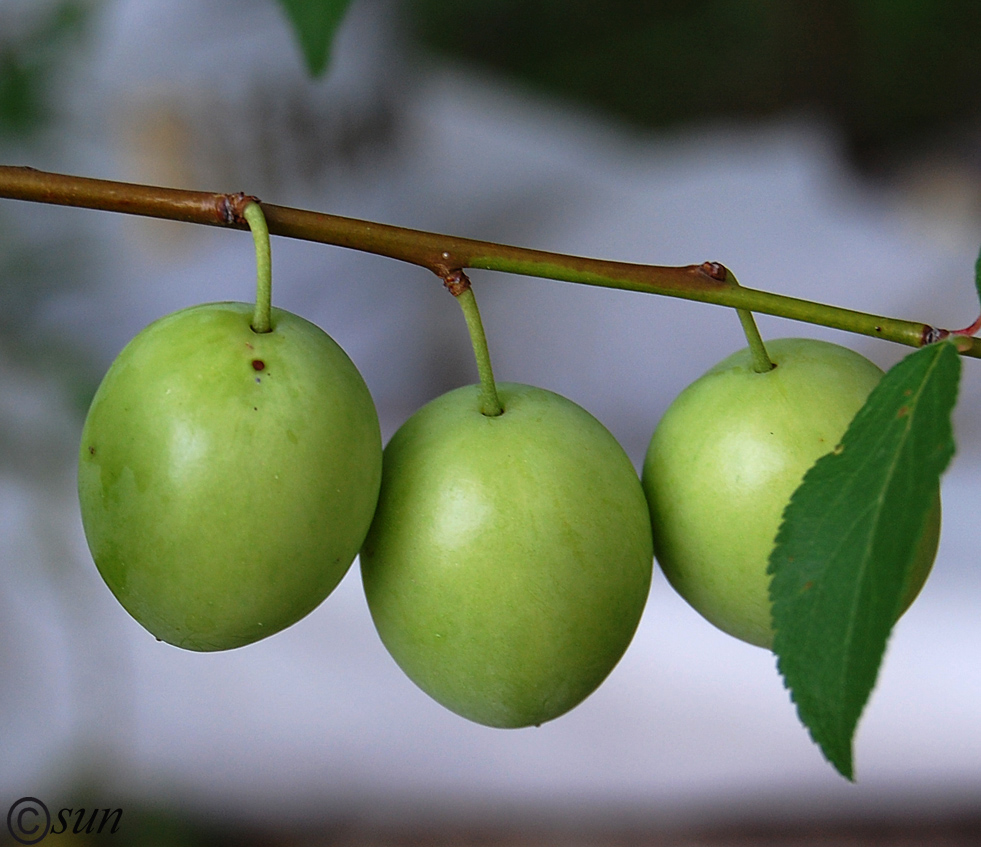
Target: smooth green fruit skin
[(726, 458), (510, 557), (227, 478)]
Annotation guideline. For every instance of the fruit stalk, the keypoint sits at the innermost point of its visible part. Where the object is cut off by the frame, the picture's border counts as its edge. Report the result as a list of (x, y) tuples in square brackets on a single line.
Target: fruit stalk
[(459, 286), (761, 359), (262, 316), (708, 282)]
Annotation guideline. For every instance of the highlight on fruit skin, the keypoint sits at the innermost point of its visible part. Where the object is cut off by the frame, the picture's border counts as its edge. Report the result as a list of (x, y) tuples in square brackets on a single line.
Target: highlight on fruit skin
[(724, 461), (226, 477), (510, 557)]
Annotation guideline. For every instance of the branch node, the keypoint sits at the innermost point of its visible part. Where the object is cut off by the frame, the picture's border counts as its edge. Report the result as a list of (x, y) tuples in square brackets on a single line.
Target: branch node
[(456, 282), (714, 270), (231, 208)]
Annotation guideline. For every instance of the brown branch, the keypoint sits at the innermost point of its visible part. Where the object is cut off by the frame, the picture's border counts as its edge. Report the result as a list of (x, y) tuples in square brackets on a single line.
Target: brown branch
[(441, 254), (445, 255)]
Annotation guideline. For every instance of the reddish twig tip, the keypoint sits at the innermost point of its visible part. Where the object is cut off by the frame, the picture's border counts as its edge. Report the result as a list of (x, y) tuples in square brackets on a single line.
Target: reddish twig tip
[(932, 334), (968, 330)]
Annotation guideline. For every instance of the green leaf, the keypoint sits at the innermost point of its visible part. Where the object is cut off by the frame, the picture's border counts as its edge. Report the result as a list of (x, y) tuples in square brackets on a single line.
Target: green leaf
[(849, 540), (314, 24)]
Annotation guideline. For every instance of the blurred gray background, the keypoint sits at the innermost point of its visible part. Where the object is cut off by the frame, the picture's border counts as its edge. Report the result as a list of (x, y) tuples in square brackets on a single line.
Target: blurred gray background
[(827, 151)]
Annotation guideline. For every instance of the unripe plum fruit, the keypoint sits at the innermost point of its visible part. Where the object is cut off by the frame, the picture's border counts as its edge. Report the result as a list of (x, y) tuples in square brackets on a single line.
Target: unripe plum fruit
[(510, 557), (227, 477), (726, 458)]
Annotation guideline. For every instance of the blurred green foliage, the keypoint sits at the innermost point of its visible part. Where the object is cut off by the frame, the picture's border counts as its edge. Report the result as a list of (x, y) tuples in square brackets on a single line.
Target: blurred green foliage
[(28, 63), (315, 22), (37, 49), (888, 72), (19, 100)]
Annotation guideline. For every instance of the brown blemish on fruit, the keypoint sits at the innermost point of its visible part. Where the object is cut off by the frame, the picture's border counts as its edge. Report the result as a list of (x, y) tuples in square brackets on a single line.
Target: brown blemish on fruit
[(258, 364), (91, 450), (903, 412)]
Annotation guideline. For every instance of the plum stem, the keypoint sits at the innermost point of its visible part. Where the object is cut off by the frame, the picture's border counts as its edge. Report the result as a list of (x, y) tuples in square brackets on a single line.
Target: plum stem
[(761, 359), (262, 316), (458, 285)]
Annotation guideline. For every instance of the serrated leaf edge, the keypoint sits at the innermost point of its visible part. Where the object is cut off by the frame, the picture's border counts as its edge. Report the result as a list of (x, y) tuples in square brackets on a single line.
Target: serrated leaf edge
[(845, 765)]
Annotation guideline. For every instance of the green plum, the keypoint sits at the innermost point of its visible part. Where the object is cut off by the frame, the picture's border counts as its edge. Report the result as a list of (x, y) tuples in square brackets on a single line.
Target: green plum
[(726, 458), (510, 557), (227, 478)]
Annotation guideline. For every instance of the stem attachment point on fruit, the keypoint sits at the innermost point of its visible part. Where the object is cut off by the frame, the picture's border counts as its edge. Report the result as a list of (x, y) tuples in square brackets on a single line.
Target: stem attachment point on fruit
[(262, 316), (458, 285)]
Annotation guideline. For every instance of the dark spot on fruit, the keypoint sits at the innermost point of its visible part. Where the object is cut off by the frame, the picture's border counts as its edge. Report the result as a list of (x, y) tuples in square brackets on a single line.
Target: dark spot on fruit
[(258, 364), (91, 450), (255, 408), (903, 412)]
